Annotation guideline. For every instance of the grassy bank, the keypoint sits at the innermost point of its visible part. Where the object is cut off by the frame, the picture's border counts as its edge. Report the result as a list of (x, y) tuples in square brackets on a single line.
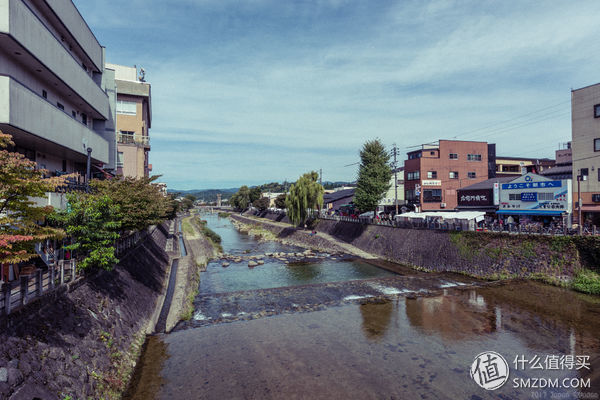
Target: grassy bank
[(567, 261)]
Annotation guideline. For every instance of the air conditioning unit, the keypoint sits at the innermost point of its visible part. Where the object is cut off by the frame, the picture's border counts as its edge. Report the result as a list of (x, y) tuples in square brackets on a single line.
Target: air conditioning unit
[(442, 205)]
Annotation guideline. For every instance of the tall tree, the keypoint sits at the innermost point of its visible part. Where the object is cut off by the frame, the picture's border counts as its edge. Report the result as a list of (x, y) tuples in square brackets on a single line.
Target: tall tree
[(280, 201), (20, 183), (140, 202), (374, 176), (305, 194), (241, 199), (93, 221)]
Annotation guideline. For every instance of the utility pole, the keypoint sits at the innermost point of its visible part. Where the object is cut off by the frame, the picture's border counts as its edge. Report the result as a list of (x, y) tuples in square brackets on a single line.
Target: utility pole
[(395, 152), (321, 176)]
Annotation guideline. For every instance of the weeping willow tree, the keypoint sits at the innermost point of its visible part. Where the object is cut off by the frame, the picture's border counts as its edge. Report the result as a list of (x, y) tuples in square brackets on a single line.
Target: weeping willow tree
[(305, 194)]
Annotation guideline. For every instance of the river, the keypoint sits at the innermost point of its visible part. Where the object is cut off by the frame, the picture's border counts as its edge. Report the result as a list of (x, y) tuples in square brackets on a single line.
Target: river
[(351, 329)]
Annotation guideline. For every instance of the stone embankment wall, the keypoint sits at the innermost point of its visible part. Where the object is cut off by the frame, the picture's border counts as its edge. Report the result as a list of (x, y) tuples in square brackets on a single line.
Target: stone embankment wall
[(481, 254), (84, 343)]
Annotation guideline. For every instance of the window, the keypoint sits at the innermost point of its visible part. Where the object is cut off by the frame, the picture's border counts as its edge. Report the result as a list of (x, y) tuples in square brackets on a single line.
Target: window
[(473, 157), (412, 176), (432, 195), (597, 111), (431, 174), (412, 156), (432, 153), (84, 118), (453, 175), (44, 94), (514, 196), (410, 194), (119, 159), (596, 144), (60, 106), (454, 156), (126, 107), (472, 175), (584, 172), (545, 196)]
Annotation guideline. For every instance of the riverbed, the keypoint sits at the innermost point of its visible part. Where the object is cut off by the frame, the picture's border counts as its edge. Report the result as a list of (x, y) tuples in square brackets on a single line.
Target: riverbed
[(351, 329)]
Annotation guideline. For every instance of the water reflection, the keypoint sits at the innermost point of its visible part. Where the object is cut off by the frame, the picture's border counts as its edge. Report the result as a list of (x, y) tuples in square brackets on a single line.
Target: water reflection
[(147, 379), (376, 318), (304, 272)]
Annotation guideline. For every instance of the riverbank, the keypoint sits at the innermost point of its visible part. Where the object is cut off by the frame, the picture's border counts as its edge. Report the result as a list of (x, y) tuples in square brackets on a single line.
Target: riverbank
[(200, 250), (561, 261), (84, 343)]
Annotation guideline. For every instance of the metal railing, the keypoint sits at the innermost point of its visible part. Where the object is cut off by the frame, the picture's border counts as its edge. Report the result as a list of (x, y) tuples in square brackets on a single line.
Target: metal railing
[(128, 138)]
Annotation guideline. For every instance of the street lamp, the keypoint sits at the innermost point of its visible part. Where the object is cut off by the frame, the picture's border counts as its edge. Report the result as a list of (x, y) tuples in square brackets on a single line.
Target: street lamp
[(89, 168)]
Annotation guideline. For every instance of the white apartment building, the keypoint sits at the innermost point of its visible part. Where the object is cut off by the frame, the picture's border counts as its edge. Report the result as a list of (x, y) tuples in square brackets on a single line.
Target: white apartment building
[(56, 97)]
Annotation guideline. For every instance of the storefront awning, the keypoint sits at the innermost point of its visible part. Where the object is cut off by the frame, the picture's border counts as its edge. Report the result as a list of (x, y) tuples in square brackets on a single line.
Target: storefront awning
[(531, 212)]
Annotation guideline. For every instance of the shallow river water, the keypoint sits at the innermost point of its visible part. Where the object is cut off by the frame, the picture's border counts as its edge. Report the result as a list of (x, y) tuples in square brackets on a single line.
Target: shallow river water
[(352, 330)]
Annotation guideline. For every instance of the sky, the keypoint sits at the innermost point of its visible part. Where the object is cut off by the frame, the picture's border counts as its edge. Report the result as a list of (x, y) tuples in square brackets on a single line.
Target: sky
[(249, 92)]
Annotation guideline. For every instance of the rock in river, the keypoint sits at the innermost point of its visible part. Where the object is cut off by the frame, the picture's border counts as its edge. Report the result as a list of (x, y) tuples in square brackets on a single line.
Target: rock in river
[(252, 264), (225, 264)]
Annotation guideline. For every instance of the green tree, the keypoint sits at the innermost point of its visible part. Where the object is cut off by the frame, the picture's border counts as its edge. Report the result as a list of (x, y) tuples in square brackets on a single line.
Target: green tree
[(262, 204), (241, 199), (305, 194), (255, 194), (93, 221), (280, 200), (20, 182), (140, 202), (374, 176)]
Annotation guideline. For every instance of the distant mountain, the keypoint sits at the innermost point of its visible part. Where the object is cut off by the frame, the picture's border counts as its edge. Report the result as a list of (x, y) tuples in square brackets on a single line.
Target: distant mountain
[(210, 195)]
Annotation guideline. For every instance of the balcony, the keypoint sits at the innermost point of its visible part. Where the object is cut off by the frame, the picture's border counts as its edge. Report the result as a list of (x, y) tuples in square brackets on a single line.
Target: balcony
[(37, 123), (128, 138), (28, 32)]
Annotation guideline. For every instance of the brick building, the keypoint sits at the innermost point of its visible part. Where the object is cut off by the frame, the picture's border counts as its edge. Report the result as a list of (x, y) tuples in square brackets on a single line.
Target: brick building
[(434, 173)]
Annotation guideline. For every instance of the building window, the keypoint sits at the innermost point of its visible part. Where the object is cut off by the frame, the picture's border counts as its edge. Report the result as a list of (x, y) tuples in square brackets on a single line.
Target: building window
[(432, 195), (596, 144), (473, 157), (60, 106), (119, 159), (432, 153), (514, 196), (84, 118), (431, 174), (44, 94), (410, 194), (454, 156), (597, 111), (545, 196), (584, 172), (412, 176), (453, 175), (472, 175), (126, 107)]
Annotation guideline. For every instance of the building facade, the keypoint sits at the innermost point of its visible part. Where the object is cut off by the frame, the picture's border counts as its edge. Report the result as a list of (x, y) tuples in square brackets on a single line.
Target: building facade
[(54, 89), (585, 146), (563, 169), (534, 197), (134, 120), (434, 173), (516, 166), (389, 199)]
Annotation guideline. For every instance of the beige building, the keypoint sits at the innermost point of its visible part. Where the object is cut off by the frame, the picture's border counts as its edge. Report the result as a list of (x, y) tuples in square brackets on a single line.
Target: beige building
[(388, 201), (134, 120), (585, 147), (517, 166), (56, 97)]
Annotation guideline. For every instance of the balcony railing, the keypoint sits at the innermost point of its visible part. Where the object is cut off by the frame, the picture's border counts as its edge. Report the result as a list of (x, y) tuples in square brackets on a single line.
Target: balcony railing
[(127, 138)]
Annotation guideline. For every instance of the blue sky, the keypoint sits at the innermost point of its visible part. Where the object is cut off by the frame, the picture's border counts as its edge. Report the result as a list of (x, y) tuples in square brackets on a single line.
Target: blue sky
[(248, 92)]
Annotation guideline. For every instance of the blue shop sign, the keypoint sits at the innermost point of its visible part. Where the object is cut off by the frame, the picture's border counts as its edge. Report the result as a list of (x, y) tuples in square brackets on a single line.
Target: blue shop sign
[(529, 196), (529, 185)]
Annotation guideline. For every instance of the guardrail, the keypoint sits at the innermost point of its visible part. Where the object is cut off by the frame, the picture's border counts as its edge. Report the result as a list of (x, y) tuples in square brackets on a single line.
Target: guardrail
[(18, 293)]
